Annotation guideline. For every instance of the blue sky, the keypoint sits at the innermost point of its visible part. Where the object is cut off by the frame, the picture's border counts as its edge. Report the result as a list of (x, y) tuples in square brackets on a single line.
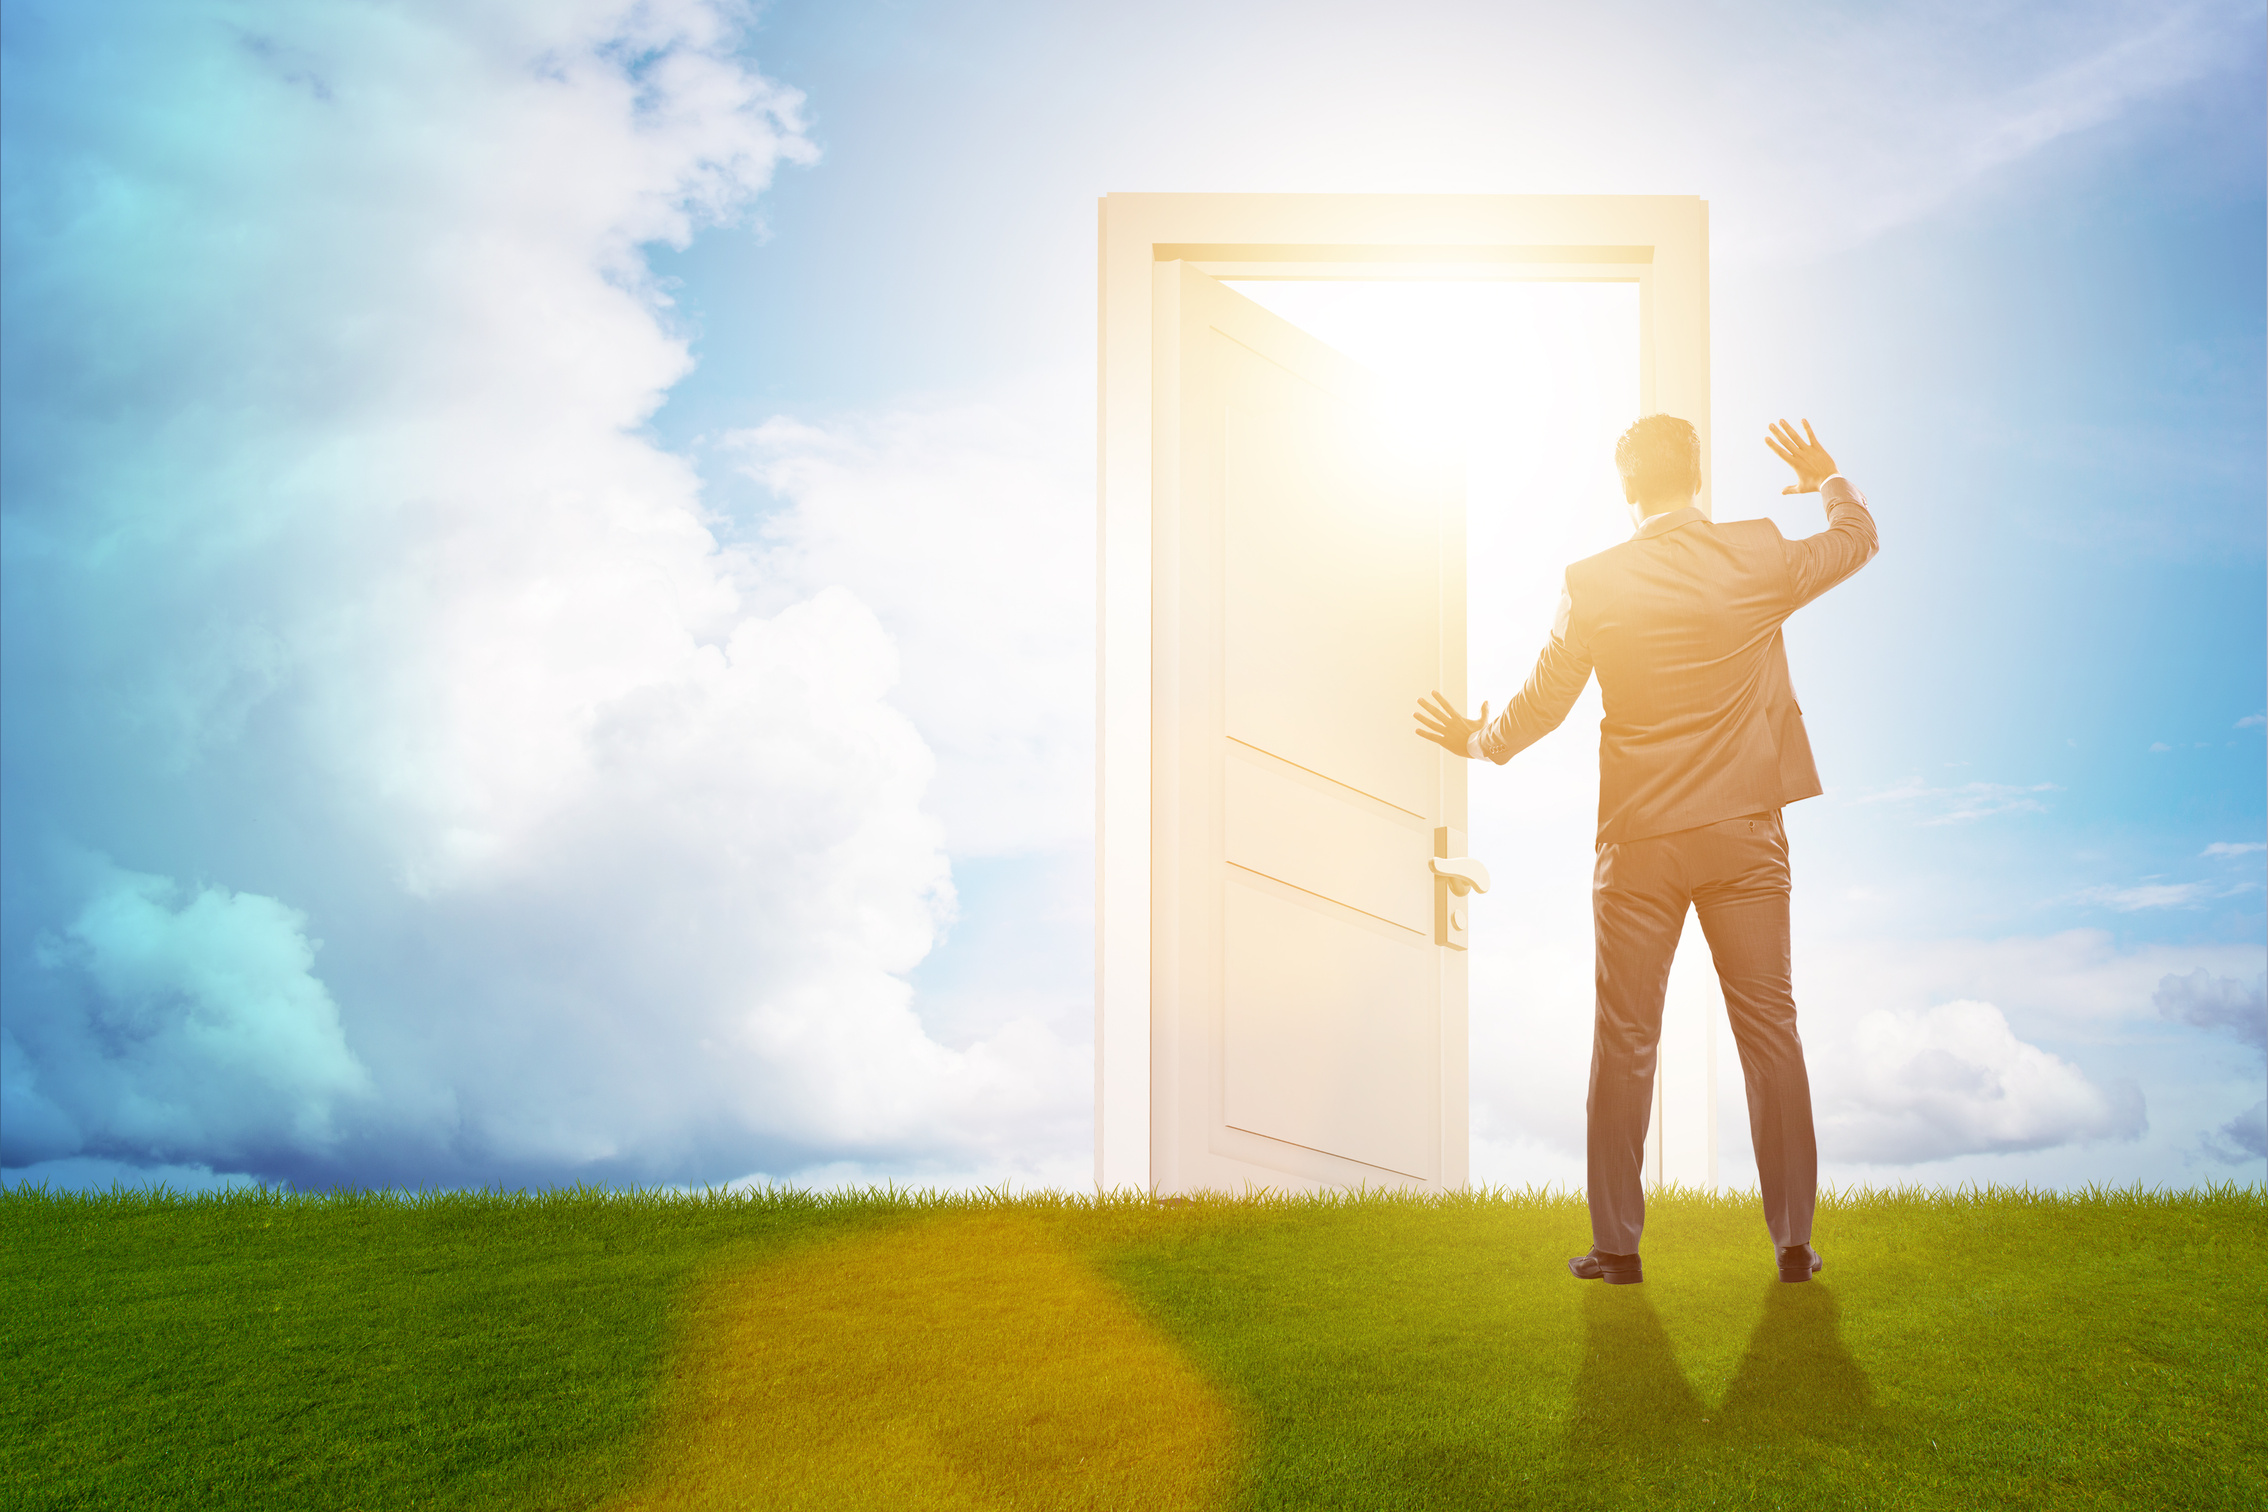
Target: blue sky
[(548, 564)]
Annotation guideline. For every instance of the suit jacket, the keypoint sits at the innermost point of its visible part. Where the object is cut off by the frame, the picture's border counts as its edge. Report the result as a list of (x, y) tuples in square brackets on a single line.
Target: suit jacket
[(1682, 624)]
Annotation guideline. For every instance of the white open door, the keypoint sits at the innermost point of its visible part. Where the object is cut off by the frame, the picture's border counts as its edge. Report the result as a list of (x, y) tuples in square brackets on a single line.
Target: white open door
[(1274, 1002), (1308, 967)]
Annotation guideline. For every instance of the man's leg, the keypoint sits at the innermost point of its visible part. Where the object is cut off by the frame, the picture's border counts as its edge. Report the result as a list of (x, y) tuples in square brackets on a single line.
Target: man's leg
[(1741, 893), (1638, 902)]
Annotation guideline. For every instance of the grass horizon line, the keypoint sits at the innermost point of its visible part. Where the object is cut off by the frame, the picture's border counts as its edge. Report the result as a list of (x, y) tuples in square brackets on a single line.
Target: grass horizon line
[(890, 1196)]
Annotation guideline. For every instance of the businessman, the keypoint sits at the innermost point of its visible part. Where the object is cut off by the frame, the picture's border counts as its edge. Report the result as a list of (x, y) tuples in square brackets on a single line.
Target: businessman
[(1701, 748)]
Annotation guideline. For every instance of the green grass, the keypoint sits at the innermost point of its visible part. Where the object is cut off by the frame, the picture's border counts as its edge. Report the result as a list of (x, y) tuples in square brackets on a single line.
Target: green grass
[(1986, 1349), (252, 1349), (1994, 1350)]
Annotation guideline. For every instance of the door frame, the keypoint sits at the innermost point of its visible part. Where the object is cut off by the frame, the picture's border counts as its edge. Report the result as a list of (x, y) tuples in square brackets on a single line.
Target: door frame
[(1659, 242)]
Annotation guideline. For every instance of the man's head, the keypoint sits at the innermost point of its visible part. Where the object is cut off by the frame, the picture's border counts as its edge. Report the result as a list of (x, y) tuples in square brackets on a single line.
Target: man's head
[(1660, 462)]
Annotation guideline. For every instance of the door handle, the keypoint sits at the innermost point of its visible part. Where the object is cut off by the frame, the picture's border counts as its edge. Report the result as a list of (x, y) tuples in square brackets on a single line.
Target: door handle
[(1462, 873)]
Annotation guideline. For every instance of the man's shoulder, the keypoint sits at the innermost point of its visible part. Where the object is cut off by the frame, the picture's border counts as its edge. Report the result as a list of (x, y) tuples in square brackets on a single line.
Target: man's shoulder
[(1761, 531), (1594, 568), (1605, 566), (1734, 533), (1728, 549)]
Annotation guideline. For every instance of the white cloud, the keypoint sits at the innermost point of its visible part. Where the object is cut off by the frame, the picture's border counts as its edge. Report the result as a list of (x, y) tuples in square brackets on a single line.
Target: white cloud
[(1929, 106), (86, 1173), (182, 1023), (2078, 984), (2217, 1002), (2169, 48), (2151, 893), (2074, 1011), (1959, 805), (971, 529), (2147, 895), (2233, 848), (1955, 1080), (2243, 1139), (2252, 721), (400, 628), (1886, 114), (2080, 998)]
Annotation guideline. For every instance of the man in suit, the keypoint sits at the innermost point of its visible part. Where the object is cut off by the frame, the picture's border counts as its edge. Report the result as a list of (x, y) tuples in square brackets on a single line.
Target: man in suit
[(1702, 746)]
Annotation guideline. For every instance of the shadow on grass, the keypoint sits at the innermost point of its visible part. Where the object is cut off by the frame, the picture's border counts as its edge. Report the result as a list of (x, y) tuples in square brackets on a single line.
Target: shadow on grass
[(1638, 1430), (1631, 1400), (1796, 1379)]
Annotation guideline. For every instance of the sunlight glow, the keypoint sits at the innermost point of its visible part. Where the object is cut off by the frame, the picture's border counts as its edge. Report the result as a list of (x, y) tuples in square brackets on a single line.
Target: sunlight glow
[(1535, 380)]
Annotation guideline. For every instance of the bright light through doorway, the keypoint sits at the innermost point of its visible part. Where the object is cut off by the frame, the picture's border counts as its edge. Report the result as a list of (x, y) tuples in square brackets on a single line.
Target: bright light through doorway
[(1536, 380)]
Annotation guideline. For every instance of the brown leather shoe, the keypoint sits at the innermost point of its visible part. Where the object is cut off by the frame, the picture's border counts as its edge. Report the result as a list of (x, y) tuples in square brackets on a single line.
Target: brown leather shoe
[(1598, 1265), (1799, 1262)]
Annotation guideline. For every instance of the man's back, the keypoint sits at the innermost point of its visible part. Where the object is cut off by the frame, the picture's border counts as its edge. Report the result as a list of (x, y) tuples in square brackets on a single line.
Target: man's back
[(1682, 624)]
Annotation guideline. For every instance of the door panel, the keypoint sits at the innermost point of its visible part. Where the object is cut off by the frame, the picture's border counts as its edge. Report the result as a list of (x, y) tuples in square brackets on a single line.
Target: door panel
[(1327, 839), (1306, 1027), (1332, 1040), (1333, 578)]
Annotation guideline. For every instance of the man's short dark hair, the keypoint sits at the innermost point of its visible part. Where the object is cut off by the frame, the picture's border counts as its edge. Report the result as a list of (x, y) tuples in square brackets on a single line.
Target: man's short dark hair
[(1660, 458)]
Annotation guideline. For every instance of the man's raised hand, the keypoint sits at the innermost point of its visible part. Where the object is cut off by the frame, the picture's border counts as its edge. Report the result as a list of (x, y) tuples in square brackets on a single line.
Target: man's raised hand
[(1439, 722), (1803, 453)]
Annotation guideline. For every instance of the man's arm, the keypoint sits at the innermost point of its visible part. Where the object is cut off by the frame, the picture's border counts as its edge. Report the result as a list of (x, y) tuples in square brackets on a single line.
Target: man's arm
[(1562, 668), (1551, 690), (1817, 563)]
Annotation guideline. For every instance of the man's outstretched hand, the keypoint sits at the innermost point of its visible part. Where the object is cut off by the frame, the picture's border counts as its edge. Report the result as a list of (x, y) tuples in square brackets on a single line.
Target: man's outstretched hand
[(1439, 722), (1803, 453)]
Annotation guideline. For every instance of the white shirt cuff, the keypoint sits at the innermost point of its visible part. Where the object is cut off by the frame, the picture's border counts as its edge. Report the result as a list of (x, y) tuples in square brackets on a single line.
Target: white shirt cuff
[(1472, 745)]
